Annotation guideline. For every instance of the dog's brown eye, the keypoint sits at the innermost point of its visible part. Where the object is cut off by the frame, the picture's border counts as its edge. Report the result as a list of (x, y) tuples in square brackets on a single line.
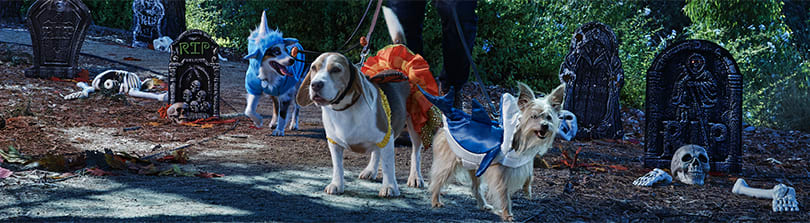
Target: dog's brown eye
[(335, 70), (535, 116), (313, 68), (548, 117)]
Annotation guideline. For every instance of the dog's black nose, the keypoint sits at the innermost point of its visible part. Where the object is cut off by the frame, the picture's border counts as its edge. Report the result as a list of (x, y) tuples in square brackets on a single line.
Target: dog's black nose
[(544, 127), (289, 63), (316, 86)]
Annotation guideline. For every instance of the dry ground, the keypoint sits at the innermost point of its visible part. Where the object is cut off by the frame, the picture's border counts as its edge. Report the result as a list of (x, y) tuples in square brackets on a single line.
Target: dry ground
[(281, 178)]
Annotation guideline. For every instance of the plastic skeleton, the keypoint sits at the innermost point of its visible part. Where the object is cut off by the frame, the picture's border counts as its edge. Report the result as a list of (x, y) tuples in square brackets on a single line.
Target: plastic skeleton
[(784, 197), (116, 81)]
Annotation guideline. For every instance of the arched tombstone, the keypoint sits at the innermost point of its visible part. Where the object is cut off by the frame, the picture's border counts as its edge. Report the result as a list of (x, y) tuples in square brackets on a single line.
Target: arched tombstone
[(194, 73), (147, 17), (57, 29), (593, 75), (694, 96)]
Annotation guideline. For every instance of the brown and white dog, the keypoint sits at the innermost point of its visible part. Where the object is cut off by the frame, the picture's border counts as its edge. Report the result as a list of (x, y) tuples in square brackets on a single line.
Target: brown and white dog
[(537, 126), (354, 117)]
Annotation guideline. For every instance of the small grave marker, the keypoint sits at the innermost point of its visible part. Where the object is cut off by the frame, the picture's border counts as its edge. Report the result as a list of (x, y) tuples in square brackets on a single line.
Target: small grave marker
[(147, 17), (694, 96), (594, 77), (57, 29), (194, 73)]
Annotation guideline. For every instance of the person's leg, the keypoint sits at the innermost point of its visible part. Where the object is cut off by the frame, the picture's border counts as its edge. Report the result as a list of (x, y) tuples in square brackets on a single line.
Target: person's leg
[(411, 14), (456, 68)]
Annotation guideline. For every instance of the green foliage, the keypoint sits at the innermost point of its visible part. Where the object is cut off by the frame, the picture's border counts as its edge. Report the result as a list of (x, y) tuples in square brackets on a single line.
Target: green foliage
[(107, 13), (319, 25), (775, 74), (111, 13)]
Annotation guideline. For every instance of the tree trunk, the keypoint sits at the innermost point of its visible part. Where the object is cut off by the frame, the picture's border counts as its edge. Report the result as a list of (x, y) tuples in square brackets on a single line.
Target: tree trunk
[(10, 11), (174, 21)]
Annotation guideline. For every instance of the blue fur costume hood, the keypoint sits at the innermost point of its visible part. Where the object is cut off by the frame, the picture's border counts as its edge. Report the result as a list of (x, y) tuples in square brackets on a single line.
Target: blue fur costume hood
[(261, 39)]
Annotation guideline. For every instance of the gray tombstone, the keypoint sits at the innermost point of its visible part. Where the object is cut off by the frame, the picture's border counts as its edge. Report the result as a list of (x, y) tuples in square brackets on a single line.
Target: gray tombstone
[(694, 96), (57, 29), (593, 75), (194, 73), (147, 16)]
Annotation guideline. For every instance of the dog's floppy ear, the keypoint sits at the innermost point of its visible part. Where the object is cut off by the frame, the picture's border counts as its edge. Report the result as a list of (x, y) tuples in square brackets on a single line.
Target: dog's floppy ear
[(302, 97), (525, 96), (555, 99)]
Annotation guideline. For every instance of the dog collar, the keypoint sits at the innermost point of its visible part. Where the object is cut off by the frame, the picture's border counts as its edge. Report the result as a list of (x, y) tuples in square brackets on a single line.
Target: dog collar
[(345, 90), (387, 109)]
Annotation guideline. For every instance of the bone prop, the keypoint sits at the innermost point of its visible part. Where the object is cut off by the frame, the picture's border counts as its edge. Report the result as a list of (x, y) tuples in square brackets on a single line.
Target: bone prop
[(86, 90), (141, 94), (784, 197)]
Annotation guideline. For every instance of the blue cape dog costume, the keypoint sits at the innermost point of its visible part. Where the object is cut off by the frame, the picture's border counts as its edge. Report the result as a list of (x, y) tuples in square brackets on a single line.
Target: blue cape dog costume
[(477, 139), (256, 49)]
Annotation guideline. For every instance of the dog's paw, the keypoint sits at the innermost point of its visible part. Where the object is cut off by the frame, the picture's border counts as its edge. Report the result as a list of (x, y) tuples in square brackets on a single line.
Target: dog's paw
[(278, 133), (436, 204), (333, 189), (485, 207), (293, 128), (416, 182), (528, 196), (389, 191), (507, 217), (368, 175)]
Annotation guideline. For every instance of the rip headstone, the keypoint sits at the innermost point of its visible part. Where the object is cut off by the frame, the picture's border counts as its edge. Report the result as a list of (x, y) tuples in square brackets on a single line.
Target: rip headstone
[(147, 16), (57, 29), (194, 73), (694, 96), (593, 75)]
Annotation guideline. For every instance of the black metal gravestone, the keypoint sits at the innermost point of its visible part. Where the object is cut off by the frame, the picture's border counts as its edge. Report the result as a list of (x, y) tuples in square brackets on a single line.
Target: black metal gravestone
[(194, 74), (147, 16), (593, 75), (694, 96), (57, 29)]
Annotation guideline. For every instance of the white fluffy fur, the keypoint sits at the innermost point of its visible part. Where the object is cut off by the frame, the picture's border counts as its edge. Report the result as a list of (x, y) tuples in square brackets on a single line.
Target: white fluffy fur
[(502, 181)]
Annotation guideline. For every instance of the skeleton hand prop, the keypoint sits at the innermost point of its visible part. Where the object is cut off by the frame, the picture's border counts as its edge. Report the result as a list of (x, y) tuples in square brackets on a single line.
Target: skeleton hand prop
[(784, 197), (86, 90), (653, 177)]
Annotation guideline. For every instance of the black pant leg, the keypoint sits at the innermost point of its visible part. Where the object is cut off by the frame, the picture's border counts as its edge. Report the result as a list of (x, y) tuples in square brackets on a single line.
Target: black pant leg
[(456, 69), (411, 14)]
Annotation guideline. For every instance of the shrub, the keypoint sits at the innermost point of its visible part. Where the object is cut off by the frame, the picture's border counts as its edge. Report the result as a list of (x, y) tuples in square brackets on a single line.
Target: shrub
[(775, 74)]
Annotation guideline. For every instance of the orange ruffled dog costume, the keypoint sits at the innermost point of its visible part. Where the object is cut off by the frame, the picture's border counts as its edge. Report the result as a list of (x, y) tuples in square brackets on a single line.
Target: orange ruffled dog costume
[(424, 116)]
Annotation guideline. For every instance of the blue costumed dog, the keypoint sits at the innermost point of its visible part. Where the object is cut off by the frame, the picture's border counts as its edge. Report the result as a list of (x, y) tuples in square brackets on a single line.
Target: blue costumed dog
[(273, 71)]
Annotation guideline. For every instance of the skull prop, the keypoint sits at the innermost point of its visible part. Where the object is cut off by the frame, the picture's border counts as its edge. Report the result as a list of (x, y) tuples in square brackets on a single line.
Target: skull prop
[(176, 112), (162, 44), (690, 164), (568, 126)]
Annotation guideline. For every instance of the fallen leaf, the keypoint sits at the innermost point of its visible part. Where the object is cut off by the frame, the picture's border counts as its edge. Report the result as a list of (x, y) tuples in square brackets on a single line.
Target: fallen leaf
[(13, 156), (131, 59), (56, 163), (83, 76), (178, 156), (99, 172), (5, 173), (208, 175), (154, 124), (176, 171), (618, 167)]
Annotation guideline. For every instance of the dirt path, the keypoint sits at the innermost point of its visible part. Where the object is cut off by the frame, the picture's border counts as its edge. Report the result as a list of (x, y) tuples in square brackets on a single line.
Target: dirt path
[(281, 178)]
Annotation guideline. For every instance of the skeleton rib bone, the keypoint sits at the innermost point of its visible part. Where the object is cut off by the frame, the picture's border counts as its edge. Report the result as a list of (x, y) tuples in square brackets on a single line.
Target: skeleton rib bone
[(784, 197)]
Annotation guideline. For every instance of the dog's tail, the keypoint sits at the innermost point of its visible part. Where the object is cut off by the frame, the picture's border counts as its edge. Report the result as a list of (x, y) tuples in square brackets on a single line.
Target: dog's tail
[(394, 27)]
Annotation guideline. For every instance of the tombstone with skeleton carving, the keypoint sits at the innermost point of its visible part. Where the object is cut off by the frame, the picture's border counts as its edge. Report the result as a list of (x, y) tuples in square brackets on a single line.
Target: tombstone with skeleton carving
[(694, 96), (593, 77), (147, 16), (194, 73)]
